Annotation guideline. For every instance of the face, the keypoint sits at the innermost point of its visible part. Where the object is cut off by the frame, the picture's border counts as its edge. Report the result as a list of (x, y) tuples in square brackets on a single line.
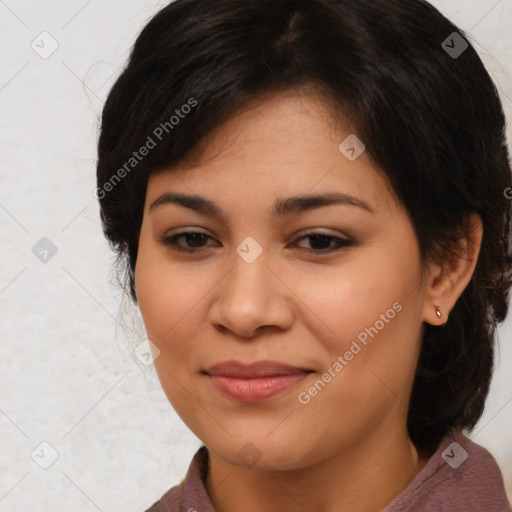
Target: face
[(332, 288)]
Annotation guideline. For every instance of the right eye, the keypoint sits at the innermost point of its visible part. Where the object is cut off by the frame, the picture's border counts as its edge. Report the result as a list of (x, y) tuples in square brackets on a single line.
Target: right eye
[(193, 239)]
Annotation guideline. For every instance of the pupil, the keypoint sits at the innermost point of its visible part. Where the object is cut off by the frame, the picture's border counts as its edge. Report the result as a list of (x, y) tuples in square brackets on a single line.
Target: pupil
[(196, 238), (316, 238)]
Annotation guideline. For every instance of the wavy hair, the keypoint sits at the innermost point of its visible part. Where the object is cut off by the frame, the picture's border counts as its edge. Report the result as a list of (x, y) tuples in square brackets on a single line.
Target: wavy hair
[(431, 120)]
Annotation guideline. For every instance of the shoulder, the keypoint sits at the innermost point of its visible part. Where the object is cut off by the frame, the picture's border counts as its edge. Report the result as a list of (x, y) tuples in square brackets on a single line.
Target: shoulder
[(171, 501), (460, 476), (190, 494)]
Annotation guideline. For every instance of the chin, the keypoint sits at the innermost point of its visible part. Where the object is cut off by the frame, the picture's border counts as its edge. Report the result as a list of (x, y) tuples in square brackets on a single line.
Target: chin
[(258, 452)]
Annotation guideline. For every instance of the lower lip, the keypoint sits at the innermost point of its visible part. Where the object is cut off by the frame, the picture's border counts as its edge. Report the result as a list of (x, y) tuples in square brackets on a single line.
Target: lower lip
[(254, 390)]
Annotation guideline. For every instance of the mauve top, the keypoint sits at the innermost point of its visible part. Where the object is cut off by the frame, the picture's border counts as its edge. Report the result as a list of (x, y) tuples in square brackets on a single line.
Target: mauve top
[(461, 476)]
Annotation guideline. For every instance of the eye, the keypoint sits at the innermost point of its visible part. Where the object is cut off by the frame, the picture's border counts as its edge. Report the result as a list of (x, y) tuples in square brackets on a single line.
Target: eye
[(196, 241), (321, 242), (194, 238)]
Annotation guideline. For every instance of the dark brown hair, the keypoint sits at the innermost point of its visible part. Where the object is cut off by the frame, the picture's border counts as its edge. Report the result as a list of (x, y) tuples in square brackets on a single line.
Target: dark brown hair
[(423, 103)]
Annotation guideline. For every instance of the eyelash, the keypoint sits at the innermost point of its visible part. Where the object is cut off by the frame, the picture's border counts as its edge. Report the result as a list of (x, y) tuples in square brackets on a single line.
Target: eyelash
[(171, 241)]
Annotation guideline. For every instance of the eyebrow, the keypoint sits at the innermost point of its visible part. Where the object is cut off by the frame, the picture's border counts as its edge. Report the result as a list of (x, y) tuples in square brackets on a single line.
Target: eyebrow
[(282, 206)]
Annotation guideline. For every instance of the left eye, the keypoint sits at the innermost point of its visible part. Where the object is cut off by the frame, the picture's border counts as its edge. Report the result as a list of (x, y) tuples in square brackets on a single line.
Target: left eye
[(319, 242)]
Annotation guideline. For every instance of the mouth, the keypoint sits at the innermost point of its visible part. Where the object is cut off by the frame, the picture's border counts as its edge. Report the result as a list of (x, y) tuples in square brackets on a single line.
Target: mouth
[(256, 381)]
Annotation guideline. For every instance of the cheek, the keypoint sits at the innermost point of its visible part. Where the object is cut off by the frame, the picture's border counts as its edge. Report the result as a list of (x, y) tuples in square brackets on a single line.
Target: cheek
[(338, 304), (166, 293), (366, 313), (168, 299), (172, 300)]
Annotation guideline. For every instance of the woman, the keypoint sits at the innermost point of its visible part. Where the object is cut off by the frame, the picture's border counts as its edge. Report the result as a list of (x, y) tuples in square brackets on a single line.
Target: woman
[(309, 201)]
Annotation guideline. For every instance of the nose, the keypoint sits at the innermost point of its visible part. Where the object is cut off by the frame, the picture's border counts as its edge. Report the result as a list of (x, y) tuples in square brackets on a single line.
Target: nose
[(252, 296)]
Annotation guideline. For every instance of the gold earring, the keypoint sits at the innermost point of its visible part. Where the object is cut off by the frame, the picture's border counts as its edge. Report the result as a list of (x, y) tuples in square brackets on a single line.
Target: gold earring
[(438, 311)]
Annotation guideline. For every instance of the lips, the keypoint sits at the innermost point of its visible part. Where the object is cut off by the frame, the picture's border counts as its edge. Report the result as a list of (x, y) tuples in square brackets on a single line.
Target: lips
[(255, 381)]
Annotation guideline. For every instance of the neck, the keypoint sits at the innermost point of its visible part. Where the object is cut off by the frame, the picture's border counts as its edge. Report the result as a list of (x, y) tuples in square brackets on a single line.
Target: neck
[(365, 477)]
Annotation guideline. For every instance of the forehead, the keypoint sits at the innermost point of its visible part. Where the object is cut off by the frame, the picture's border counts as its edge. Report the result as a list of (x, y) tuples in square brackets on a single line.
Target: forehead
[(281, 144)]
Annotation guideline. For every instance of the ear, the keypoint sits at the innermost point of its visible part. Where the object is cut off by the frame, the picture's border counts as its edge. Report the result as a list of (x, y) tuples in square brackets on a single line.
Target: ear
[(448, 279)]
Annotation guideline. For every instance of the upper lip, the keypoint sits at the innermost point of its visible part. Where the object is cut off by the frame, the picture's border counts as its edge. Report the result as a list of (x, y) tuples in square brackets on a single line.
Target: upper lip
[(254, 370)]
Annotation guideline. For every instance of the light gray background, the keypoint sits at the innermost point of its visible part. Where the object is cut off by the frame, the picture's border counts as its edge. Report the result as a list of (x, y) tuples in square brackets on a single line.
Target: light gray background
[(68, 376)]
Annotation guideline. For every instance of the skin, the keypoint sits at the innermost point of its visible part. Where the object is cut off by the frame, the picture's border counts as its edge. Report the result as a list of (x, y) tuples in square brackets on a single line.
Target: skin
[(348, 448)]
